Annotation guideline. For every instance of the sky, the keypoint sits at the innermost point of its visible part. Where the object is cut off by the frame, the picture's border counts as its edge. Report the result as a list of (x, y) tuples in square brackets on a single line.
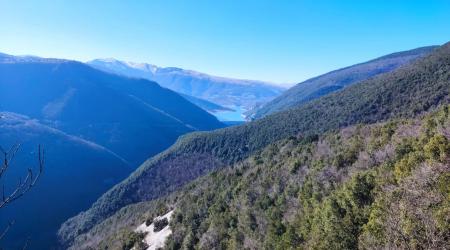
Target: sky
[(280, 41)]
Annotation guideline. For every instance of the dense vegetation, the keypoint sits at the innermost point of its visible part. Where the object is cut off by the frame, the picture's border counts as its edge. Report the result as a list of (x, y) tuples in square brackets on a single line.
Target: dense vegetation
[(376, 186), (406, 92), (379, 186), (330, 82)]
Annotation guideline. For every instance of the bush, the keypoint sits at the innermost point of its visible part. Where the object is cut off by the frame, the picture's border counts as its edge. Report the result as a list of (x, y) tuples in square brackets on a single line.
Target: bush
[(404, 167), (295, 167), (148, 221), (438, 148), (160, 224), (133, 239)]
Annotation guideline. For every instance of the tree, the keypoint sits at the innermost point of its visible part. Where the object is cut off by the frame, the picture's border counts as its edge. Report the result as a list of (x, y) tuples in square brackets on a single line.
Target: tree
[(23, 185)]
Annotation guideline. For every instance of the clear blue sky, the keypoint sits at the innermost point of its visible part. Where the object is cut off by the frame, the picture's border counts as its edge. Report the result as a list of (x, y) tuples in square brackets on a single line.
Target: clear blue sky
[(279, 41)]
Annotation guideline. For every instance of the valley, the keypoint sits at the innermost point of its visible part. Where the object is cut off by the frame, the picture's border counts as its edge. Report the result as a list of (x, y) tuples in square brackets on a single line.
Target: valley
[(90, 122), (224, 125), (375, 100)]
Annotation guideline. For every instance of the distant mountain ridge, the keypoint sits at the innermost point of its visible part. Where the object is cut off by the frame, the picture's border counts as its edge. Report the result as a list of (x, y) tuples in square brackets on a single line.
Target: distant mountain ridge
[(221, 90), (5, 58), (337, 79)]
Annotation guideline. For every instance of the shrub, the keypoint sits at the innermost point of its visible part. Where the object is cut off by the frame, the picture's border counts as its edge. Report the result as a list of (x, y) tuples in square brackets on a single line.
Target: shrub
[(148, 221), (438, 148), (295, 167), (404, 167), (160, 224), (133, 239)]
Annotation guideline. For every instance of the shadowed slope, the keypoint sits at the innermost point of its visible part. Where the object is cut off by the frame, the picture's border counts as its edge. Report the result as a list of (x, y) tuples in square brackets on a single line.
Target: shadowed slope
[(135, 118), (76, 172)]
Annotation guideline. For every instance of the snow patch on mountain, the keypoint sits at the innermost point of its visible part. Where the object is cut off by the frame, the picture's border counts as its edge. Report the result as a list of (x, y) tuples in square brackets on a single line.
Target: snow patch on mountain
[(156, 240)]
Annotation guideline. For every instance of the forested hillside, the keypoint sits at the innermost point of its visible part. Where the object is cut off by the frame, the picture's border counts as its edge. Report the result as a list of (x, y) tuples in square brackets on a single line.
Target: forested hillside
[(384, 185), (406, 92), (335, 80), (364, 187)]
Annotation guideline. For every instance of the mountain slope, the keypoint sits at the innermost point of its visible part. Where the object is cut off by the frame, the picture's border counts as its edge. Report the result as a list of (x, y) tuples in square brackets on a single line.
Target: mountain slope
[(96, 127), (135, 118), (345, 189), (406, 92), (206, 105), (338, 79), (76, 172), (364, 187), (223, 91)]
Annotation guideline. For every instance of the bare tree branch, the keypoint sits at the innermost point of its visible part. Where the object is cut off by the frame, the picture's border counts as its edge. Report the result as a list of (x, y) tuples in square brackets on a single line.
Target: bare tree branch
[(22, 187), (29, 181), (7, 157)]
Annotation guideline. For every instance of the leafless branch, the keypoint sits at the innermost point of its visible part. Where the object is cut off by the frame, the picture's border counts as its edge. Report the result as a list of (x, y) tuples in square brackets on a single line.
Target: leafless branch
[(22, 186), (7, 157)]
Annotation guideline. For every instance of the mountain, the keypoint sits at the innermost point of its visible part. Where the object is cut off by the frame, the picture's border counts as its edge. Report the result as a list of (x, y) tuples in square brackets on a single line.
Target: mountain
[(367, 186), (226, 92), (408, 91), (206, 105), (144, 71), (363, 187), (76, 172), (96, 127), (134, 118), (336, 80)]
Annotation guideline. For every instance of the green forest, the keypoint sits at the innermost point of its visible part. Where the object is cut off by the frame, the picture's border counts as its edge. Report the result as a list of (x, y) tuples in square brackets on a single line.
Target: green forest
[(364, 187), (363, 168)]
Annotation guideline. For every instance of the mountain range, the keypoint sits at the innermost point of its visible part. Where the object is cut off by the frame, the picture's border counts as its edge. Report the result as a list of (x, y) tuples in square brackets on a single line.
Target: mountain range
[(105, 108), (96, 128), (321, 166), (224, 91), (227, 163)]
